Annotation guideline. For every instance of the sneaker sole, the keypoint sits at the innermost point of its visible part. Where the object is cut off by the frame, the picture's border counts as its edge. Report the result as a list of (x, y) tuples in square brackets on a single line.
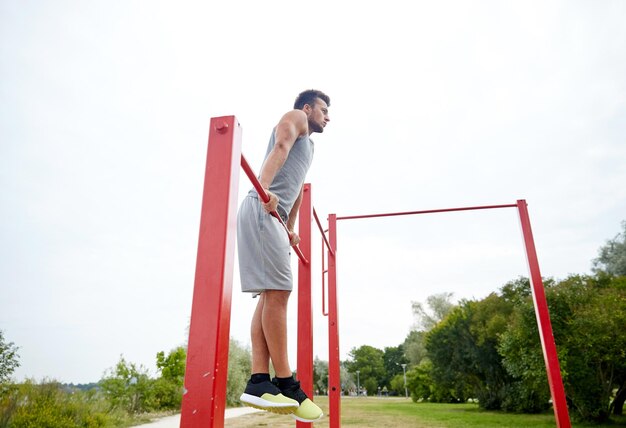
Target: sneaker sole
[(306, 420), (270, 406)]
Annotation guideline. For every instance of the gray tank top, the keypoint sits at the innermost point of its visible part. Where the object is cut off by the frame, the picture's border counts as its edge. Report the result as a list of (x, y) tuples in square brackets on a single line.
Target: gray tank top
[(290, 178)]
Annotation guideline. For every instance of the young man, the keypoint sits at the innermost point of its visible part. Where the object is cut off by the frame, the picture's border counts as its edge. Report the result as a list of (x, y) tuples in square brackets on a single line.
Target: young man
[(264, 256)]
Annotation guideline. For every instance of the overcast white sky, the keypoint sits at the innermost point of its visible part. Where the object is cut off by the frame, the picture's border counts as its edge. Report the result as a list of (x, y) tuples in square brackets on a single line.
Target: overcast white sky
[(103, 133)]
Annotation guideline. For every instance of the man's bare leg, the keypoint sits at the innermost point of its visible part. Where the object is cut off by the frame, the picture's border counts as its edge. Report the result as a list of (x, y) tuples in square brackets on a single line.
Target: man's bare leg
[(260, 392), (274, 322), (270, 341), (260, 353)]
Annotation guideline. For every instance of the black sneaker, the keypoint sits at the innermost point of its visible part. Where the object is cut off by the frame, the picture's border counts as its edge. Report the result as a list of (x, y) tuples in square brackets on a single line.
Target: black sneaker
[(308, 410), (266, 396)]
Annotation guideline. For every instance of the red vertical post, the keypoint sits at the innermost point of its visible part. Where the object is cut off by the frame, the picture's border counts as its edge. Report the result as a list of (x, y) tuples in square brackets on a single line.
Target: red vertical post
[(204, 399), (305, 301), (543, 321), (334, 378)]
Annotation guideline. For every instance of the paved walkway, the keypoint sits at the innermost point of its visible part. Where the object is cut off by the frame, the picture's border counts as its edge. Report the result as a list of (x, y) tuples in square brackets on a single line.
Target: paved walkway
[(174, 421)]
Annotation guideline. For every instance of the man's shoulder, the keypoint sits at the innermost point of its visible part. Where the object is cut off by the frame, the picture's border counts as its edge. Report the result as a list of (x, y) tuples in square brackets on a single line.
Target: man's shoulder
[(295, 119), (295, 115)]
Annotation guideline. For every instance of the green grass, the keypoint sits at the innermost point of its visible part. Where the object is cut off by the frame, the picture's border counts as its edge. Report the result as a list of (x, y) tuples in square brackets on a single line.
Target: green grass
[(401, 413)]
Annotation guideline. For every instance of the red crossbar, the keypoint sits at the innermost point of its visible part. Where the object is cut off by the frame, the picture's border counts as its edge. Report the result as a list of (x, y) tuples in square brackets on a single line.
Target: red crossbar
[(265, 198), (485, 207), (541, 310)]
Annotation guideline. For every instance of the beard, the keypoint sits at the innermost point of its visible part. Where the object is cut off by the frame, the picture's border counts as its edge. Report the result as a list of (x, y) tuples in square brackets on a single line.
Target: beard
[(315, 127)]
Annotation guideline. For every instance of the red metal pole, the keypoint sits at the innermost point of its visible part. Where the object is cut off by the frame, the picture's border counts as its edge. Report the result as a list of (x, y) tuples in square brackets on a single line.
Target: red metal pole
[(319, 225), (305, 305), (204, 399), (324, 272), (543, 321), (334, 379)]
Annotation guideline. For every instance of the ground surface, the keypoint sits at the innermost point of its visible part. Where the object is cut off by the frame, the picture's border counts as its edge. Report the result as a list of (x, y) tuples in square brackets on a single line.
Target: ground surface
[(374, 412)]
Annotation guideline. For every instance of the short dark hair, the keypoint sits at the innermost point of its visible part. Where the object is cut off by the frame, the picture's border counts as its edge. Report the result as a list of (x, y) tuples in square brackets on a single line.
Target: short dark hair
[(308, 97)]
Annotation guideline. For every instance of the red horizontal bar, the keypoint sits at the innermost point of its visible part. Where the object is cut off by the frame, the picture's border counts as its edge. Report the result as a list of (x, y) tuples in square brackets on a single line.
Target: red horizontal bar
[(485, 207), (319, 225), (265, 198)]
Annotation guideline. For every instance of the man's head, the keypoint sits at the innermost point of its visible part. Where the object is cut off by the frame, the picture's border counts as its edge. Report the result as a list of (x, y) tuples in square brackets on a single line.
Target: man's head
[(315, 104)]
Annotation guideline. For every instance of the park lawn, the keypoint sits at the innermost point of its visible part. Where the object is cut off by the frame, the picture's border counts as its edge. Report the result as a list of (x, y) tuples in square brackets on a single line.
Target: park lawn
[(401, 413)]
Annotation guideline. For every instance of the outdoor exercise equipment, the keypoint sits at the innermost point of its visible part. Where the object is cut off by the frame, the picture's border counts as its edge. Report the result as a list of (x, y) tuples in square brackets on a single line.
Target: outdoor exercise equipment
[(204, 396)]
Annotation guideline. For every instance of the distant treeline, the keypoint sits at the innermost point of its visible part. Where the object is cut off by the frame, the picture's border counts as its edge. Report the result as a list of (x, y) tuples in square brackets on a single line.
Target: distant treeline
[(80, 386)]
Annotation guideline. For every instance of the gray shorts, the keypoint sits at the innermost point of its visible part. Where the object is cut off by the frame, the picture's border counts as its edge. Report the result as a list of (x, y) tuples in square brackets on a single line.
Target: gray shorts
[(264, 250)]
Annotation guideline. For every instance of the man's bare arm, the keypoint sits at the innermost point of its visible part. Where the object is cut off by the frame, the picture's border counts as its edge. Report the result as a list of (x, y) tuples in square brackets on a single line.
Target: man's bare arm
[(293, 215), (291, 126)]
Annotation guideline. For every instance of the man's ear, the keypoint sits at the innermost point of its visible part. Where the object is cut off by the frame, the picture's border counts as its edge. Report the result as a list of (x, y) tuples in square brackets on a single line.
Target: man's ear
[(307, 108)]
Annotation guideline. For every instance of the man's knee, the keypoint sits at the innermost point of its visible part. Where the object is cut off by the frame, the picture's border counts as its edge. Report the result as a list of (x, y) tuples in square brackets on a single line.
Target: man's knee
[(276, 297)]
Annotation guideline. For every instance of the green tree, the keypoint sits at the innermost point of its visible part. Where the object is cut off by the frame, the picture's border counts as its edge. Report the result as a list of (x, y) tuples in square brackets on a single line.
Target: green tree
[(415, 347), (393, 358), (128, 387), (488, 320), (239, 366), (422, 387), (464, 351), (612, 256), (320, 375), (518, 291), (528, 392), (396, 385), (9, 359), (438, 306), (369, 362), (597, 332), (426, 317), (172, 366), (587, 316), (165, 394), (167, 390), (449, 347), (522, 355)]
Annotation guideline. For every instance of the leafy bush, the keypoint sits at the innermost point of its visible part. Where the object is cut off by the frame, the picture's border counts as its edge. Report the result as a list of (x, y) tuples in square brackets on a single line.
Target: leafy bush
[(397, 385), (128, 387), (49, 405), (124, 394), (239, 366), (587, 316), (9, 359), (168, 389)]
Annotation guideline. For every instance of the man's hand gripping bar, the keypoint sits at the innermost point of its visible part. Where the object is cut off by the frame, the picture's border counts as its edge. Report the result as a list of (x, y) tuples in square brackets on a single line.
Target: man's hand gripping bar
[(265, 198)]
